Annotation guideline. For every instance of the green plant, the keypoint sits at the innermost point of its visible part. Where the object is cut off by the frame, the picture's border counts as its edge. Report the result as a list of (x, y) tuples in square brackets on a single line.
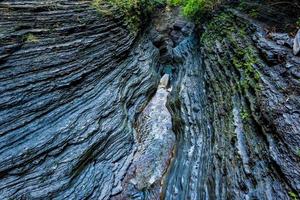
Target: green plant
[(30, 38), (293, 195), (298, 22), (298, 152), (245, 115), (244, 56), (196, 8), (254, 13), (242, 5), (174, 2)]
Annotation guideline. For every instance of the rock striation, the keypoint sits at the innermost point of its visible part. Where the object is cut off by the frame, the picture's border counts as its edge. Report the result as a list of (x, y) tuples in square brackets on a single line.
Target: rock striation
[(296, 46), (91, 110), (236, 114), (71, 84), (154, 139)]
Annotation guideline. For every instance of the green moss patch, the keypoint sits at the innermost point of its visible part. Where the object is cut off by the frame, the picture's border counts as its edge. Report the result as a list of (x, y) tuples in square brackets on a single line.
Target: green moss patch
[(237, 47)]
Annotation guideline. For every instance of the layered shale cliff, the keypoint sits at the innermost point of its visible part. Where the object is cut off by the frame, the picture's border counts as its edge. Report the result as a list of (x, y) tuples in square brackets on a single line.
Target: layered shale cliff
[(72, 82), (90, 109)]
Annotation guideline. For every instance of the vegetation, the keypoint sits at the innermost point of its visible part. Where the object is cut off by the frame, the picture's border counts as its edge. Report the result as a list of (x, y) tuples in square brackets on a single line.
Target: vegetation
[(30, 38), (298, 22), (254, 13), (293, 195), (298, 152), (245, 115), (222, 28), (133, 10), (194, 9)]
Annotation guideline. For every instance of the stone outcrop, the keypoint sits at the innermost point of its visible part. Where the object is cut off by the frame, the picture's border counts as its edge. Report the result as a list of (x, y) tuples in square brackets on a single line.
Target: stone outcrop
[(71, 85), (262, 85), (154, 139), (85, 114), (296, 46), (235, 114)]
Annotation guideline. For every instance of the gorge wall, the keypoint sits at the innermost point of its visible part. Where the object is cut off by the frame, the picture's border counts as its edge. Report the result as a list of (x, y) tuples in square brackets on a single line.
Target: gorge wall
[(86, 113)]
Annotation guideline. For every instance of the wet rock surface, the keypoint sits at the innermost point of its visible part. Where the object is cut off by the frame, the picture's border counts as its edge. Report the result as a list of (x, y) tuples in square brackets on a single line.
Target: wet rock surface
[(84, 115)]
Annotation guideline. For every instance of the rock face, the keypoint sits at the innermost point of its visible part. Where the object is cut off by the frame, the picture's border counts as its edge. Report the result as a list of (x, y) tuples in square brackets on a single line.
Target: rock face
[(296, 46), (155, 141), (71, 84), (256, 80), (188, 173), (235, 108), (83, 114)]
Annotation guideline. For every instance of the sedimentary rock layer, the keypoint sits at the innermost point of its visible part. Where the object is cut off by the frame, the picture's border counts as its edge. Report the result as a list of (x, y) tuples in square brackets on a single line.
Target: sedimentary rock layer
[(238, 132), (154, 139), (82, 116), (71, 84), (253, 80)]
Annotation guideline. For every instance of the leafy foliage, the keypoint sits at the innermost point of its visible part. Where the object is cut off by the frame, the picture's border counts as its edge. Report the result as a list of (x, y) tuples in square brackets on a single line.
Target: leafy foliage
[(175, 2), (195, 8), (134, 10)]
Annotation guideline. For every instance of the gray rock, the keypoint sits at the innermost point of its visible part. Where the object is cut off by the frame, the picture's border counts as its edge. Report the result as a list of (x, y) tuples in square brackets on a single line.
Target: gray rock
[(179, 24), (82, 115), (282, 39), (71, 84), (296, 47)]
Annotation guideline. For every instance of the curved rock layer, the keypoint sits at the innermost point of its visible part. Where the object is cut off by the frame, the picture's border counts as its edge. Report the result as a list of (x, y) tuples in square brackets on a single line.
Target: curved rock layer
[(237, 114), (71, 85), (82, 115), (187, 175), (154, 141), (261, 89)]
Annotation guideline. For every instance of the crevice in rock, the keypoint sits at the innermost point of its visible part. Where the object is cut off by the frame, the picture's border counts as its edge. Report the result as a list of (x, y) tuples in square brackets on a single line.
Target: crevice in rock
[(90, 110)]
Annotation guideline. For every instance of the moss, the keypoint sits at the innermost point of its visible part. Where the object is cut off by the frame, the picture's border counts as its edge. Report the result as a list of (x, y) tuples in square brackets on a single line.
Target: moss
[(244, 84), (254, 13), (298, 152), (245, 114), (245, 60), (242, 5), (96, 4), (293, 196), (244, 57), (30, 38), (298, 23), (216, 30)]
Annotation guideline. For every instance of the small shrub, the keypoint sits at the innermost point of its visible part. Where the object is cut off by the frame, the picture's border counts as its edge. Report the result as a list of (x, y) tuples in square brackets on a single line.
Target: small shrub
[(194, 9)]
